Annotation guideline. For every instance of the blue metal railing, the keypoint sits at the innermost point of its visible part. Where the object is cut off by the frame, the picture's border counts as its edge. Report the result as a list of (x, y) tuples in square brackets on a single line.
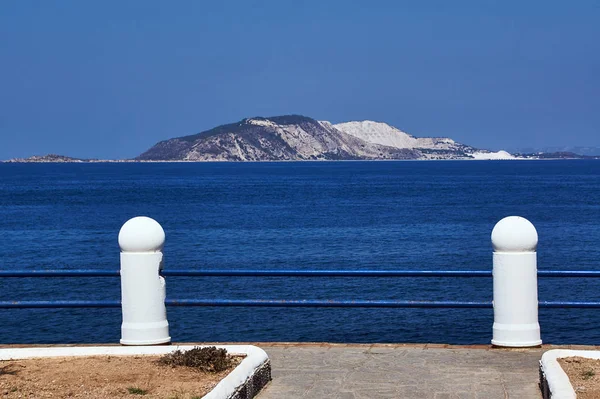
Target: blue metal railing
[(288, 303), (290, 273)]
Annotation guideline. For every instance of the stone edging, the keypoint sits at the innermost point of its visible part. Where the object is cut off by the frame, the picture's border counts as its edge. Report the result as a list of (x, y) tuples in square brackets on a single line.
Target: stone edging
[(244, 382), (554, 382)]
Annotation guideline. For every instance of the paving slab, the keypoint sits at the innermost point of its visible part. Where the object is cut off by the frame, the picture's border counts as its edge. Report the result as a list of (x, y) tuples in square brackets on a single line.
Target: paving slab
[(401, 371)]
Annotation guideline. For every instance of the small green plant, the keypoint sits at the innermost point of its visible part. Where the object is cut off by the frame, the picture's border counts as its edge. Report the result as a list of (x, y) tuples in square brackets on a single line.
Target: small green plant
[(588, 374), (136, 391), (209, 359)]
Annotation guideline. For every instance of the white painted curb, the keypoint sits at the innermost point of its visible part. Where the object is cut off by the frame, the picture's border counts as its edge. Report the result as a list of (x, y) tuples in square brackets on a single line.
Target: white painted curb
[(255, 358), (558, 382)]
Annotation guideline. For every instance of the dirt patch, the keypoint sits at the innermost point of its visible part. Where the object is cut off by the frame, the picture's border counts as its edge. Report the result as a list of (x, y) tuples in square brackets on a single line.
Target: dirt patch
[(584, 375), (104, 377)]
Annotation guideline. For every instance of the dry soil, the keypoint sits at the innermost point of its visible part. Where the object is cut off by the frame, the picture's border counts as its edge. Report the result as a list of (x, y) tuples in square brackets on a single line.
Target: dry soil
[(103, 377), (584, 375)]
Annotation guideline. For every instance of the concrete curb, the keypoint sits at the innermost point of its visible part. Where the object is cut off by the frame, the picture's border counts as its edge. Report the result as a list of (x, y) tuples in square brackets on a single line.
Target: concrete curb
[(244, 382), (554, 382)]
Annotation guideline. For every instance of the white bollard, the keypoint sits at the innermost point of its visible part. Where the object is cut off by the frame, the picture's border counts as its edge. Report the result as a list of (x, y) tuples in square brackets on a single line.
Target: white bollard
[(142, 289), (515, 283)]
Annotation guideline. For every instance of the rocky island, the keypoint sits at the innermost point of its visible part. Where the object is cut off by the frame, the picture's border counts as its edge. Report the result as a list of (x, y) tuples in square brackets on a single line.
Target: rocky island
[(53, 158), (48, 158), (300, 138)]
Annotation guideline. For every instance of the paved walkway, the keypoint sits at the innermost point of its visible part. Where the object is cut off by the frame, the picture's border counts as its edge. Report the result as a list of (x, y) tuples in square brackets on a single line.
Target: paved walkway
[(401, 371), (405, 371)]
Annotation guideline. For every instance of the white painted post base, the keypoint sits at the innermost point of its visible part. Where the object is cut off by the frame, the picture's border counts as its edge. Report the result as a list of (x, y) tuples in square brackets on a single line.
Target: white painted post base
[(142, 288), (515, 284)]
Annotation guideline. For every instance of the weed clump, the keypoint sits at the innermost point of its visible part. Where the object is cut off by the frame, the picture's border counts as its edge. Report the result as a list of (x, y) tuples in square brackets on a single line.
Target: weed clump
[(586, 375), (208, 359), (137, 391)]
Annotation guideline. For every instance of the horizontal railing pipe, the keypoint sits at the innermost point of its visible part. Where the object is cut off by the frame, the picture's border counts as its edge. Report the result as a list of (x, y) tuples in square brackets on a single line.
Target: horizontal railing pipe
[(287, 303), (60, 273), (59, 304), (567, 304), (289, 273), (253, 303), (327, 273), (568, 273), (326, 303)]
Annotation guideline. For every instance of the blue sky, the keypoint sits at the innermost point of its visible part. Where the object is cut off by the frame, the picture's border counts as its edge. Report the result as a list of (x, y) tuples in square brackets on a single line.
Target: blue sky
[(108, 79)]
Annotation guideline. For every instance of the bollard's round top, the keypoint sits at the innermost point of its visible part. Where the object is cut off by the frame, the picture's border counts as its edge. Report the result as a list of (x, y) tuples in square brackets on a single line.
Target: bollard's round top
[(141, 234), (514, 234)]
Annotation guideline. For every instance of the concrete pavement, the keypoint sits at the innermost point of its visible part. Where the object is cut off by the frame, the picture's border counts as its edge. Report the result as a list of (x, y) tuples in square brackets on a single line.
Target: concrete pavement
[(401, 371)]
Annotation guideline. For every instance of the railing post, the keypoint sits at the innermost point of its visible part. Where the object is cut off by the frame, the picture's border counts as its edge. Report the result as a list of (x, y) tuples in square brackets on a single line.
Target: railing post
[(142, 288), (515, 283)]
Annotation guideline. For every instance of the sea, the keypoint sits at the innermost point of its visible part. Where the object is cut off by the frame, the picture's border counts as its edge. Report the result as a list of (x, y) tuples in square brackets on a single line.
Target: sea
[(403, 215)]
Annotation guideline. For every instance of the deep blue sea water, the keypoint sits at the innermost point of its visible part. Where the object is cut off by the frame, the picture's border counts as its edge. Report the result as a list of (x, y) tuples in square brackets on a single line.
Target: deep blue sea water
[(316, 215)]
